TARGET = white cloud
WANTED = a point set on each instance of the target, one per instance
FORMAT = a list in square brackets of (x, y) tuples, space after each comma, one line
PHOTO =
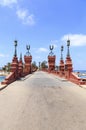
[(2, 55), (54, 43), (8, 3), (37, 57), (22, 14), (42, 49), (26, 18), (75, 39)]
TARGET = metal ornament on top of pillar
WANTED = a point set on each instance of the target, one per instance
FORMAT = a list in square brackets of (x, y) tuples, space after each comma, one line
[(68, 62), (51, 59), (28, 60), (14, 64), (61, 66)]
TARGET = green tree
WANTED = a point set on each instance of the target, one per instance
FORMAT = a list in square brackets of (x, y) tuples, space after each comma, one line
[(34, 66), (4, 68), (8, 66), (44, 64)]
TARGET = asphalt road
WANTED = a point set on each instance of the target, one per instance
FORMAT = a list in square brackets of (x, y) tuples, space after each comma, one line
[(42, 101)]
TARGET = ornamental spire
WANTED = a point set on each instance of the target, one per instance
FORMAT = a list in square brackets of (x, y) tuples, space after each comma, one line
[(15, 44), (68, 45), (61, 52)]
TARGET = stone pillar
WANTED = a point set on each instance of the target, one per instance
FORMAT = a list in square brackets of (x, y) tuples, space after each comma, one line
[(68, 63), (20, 67), (61, 68), (27, 67), (14, 67), (51, 63), (68, 67)]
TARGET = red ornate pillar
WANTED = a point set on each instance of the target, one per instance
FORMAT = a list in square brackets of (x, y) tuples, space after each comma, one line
[(20, 67), (68, 67), (68, 63), (51, 63), (14, 68), (61, 66), (28, 60), (14, 64), (27, 67), (51, 60)]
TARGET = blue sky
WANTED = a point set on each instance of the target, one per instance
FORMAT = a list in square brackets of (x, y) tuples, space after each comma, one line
[(41, 23)]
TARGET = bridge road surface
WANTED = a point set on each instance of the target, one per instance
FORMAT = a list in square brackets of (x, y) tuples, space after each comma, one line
[(42, 101)]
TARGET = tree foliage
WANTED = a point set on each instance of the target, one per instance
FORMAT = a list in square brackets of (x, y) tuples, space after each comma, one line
[(44, 64), (34, 66)]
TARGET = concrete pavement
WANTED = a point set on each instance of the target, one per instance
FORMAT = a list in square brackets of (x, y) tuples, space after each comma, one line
[(42, 101), (22, 79)]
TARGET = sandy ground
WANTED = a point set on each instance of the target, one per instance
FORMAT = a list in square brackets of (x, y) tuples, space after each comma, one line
[(42, 101)]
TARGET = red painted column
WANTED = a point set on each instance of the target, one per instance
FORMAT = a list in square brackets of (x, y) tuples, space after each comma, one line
[(61, 68), (14, 67), (68, 67), (27, 66), (20, 67), (51, 63), (68, 62), (13, 72)]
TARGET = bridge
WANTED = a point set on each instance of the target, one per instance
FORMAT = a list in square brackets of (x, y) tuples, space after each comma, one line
[(42, 101), (46, 99), (20, 69)]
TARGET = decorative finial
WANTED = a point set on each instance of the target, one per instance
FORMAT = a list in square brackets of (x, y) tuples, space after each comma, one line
[(28, 48), (15, 44), (51, 47), (61, 52), (68, 44)]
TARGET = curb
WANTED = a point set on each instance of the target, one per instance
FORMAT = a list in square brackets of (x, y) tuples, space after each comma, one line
[(83, 86), (2, 87)]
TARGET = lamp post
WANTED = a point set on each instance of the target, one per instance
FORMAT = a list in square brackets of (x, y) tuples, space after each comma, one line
[(61, 52), (15, 44), (68, 44)]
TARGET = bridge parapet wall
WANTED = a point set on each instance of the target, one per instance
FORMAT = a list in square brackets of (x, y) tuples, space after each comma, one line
[(74, 78), (9, 79), (17, 70)]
